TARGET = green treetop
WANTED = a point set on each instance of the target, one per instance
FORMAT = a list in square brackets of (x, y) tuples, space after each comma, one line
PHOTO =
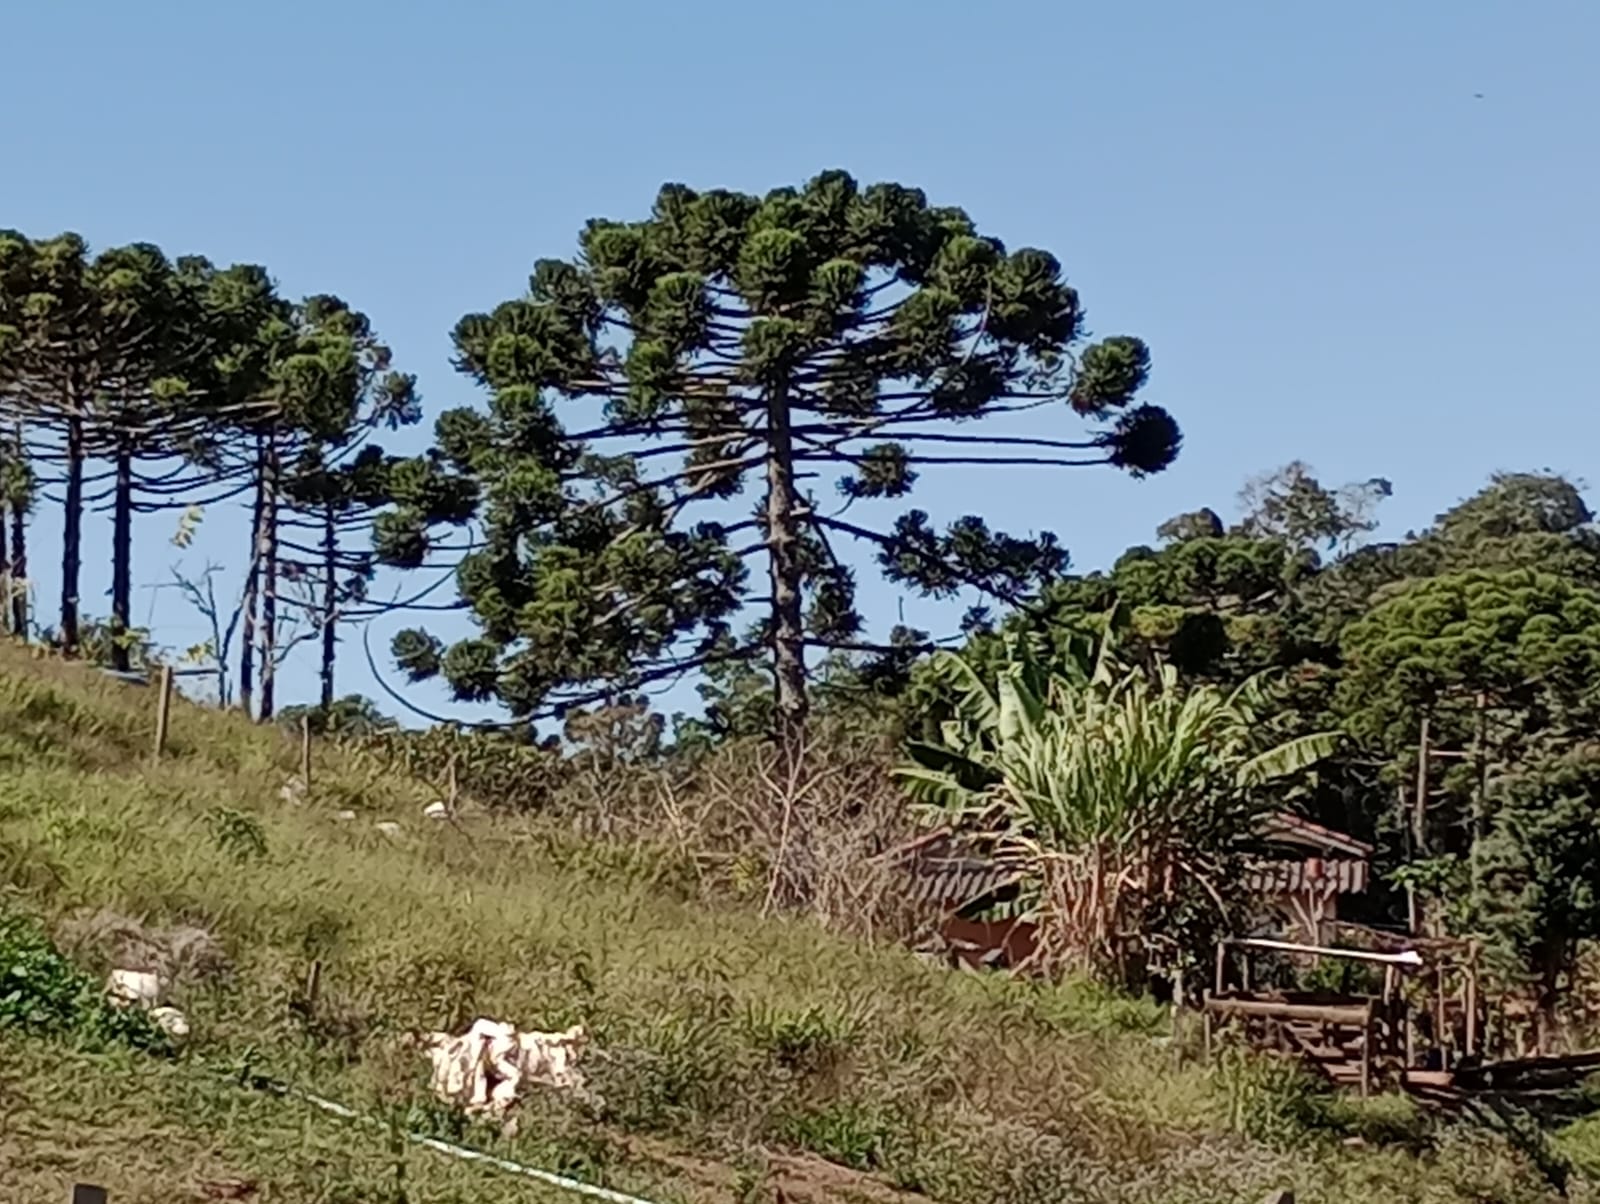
[(829, 332)]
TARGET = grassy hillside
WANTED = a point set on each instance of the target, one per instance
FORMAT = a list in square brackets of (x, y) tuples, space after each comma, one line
[(741, 1055)]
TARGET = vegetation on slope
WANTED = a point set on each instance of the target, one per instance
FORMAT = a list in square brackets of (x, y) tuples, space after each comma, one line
[(739, 1051)]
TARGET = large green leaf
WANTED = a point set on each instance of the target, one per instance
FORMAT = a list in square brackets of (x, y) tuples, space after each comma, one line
[(931, 788), (974, 702), (1020, 708), (1289, 758), (950, 764)]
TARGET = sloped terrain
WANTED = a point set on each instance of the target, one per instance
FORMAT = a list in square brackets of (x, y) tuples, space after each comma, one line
[(737, 1056)]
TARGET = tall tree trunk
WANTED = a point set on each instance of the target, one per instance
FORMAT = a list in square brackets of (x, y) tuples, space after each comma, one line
[(1553, 958), (72, 535), (252, 590), (269, 582), (794, 884), (783, 540), (5, 571), (19, 558), (330, 603), (121, 556), (19, 572)]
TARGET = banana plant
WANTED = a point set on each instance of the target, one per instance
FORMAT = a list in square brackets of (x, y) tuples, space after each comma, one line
[(1108, 788)]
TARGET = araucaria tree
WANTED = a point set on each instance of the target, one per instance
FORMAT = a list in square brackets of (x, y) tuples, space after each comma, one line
[(826, 330)]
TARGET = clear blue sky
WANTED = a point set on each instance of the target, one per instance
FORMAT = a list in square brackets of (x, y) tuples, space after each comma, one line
[(1335, 250)]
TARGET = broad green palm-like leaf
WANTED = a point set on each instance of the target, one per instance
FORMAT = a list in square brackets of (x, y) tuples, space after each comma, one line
[(1020, 708), (1289, 758)]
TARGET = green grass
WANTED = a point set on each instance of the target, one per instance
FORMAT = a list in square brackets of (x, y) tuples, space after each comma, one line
[(739, 1053)]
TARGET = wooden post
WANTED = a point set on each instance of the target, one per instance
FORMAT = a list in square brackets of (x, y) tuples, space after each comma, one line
[(1472, 1001), (1411, 853), (1366, 1057), (1222, 965), (163, 710), (1420, 802), (87, 1193), (305, 754), (313, 984), (451, 786), (1439, 1034)]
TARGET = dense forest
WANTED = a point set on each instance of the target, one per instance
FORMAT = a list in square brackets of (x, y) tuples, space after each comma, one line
[(812, 349)]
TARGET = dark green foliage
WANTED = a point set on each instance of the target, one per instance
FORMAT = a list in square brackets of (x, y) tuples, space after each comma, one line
[(1519, 636), (832, 327), (1537, 871), (353, 715)]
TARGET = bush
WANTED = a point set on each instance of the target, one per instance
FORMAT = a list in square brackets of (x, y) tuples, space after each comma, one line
[(44, 994)]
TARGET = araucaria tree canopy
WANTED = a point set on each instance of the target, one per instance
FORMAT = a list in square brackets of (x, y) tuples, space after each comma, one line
[(831, 332)]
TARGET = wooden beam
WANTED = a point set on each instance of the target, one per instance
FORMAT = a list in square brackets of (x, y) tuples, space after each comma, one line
[(1408, 957), (1322, 1013)]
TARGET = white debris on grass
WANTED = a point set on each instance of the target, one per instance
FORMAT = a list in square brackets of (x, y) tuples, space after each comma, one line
[(134, 987), (171, 1021), (486, 1070), (437, 811), (388, 827), (142, 989)]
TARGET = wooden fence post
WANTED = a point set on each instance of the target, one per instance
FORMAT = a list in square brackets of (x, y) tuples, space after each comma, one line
[(305, 754), (163, 710), (87, 1193)]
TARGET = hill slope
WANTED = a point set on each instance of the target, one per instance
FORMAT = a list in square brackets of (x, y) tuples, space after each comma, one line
[(738, 1055)]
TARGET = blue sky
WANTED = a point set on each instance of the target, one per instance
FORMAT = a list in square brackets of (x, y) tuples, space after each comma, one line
[(1336, 250)]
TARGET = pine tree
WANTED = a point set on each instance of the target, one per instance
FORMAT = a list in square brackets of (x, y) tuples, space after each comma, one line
[(727, 339)]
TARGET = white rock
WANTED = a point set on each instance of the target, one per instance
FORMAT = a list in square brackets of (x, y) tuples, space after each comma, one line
[(344, 817), (388, 827), (171, 1021), (436, 810), (139, 987)]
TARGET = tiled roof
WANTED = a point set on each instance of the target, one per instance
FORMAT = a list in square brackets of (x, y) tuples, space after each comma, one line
[(1335, 877), (1286, 828), (949, 871), (956, 881)]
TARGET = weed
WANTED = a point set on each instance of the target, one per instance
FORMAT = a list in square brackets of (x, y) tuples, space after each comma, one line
[(238, 835)]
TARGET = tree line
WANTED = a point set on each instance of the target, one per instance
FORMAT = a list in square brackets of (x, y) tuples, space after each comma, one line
[(727, 344), (132, 383), (1458, 667)]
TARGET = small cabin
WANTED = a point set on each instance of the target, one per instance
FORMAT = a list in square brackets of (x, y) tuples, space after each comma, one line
[(1304, 870), (1301, 871)]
